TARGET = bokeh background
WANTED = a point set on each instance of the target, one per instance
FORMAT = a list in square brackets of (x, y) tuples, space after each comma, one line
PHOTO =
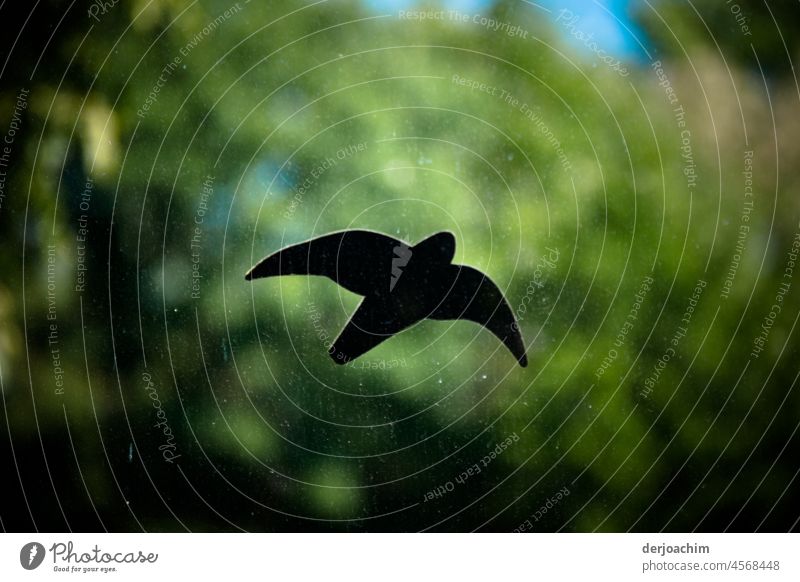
[(625, 171)]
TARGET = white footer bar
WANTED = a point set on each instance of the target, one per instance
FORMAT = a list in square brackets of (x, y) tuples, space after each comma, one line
[(400, 557)]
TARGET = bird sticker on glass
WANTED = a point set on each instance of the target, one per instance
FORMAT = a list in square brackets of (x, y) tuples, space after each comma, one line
[(401, 285)]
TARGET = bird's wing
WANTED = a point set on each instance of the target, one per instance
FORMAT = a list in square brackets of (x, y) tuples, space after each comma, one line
[(358, 260), (374, 321), (475, 297)]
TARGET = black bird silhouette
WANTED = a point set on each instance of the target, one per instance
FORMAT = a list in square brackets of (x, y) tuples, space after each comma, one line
[(401, 285)]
